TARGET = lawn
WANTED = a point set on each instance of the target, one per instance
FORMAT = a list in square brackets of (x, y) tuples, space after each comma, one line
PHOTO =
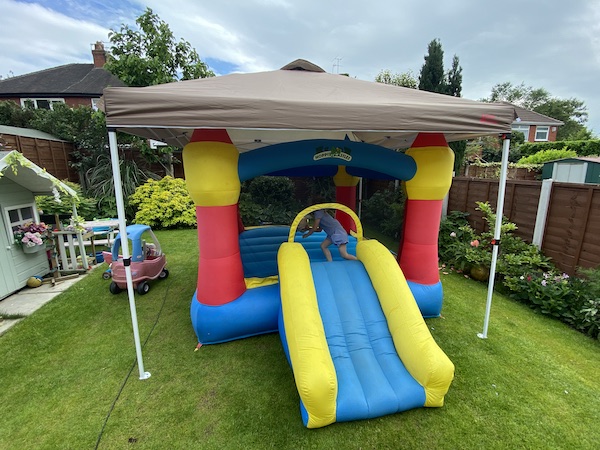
[(532, 384)]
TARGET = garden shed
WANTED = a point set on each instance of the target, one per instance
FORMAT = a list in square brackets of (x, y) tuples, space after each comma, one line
[(20, 181), (573, 170)]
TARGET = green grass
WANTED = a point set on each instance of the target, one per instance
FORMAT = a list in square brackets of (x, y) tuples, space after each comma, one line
[(532, 384)]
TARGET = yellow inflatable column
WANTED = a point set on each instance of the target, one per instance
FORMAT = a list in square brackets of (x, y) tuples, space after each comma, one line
[(211, 174), (345, 193)]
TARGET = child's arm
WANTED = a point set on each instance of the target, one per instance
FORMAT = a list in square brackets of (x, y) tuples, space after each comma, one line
[(314, 228)]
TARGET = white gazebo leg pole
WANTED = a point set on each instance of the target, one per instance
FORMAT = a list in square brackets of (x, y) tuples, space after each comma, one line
[(498, 225), (114, 155)]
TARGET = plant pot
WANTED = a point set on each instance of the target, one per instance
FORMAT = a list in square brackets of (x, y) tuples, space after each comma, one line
[(34, 249), (480, 273)]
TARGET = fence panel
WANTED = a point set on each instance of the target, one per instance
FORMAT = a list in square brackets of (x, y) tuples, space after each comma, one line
[(571, 236), (572, 228), (520, 203), (54, 156)]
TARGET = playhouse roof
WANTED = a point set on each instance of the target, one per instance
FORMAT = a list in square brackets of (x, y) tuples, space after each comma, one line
[(14, 166), (299, 101)]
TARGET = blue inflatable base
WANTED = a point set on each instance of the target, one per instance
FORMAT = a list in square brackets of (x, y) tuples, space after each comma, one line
[(254, 312), (429, 298)]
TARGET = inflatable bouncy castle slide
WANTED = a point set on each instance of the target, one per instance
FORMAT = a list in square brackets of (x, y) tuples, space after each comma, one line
[(353, 331)]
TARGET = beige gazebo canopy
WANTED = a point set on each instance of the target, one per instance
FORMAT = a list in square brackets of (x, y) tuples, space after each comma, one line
[(299, 101)]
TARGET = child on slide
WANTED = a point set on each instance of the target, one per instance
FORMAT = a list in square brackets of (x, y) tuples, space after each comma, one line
[(335, 234)]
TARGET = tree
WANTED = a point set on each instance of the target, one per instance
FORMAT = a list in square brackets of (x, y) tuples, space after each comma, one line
[(405, 79), (572, 112), (150, 55), (454, 79), (432, 77)]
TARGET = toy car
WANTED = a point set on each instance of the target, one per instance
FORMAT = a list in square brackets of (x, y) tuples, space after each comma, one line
[(147, 260)]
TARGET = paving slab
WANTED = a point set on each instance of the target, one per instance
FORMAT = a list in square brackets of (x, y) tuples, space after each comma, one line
[(28, 300)]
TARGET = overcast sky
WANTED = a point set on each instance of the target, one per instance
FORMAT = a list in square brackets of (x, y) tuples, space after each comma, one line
[(551, 44)]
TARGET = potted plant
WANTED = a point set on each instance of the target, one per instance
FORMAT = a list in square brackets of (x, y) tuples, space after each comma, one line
[(480, 259), (31, 236)]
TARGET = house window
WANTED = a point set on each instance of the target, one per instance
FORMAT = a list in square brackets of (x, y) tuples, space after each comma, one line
[(541, 133), (95, 104), (523, 129), (41, 103)]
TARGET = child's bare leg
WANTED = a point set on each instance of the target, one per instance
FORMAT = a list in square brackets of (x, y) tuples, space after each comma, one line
[(345, 254), (326, 243)]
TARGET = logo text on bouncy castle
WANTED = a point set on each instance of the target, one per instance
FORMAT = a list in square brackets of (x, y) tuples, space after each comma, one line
[(323, 152)]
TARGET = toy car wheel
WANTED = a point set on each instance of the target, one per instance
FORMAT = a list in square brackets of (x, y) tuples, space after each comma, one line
[(164, 274), (106, 275), (143, 288), (114, 288)]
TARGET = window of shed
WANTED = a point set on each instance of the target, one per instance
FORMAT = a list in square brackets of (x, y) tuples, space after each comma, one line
[(541, 133)]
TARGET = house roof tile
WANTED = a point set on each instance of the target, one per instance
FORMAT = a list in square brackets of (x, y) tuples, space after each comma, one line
[(69, 80), (528, 117)]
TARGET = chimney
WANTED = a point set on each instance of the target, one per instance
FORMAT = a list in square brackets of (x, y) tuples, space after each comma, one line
[(99, 54)]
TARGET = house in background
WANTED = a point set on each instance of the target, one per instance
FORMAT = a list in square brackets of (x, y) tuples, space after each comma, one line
[(536, 127), (72, 84)]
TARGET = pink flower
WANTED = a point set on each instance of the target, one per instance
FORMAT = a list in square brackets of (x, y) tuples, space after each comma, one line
[(475, 243)]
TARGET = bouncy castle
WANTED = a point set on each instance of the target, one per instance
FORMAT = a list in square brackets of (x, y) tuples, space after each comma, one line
[(353, 331)]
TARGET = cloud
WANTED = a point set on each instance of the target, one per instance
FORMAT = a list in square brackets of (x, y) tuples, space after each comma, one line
[(555, 46), (40, 38)]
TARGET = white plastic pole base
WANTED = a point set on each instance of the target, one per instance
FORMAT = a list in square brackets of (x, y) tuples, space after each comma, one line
[(145, 376), (479, 335)]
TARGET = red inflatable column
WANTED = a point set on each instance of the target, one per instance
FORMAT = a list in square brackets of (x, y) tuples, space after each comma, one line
[(418, 252), (211, 162), (345, 193)]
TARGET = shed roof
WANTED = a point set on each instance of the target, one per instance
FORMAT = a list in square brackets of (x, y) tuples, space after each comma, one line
[(15, 167), (69, 80), (28, 132), (592, 159)]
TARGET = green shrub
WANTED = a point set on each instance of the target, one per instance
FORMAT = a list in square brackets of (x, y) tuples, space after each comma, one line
[(385, 210), (164, 204), (582, 148), (268, 199), (575, 301), (461, 248), (524, 273), (454, 240), (547, 155), (86, 207), (101, 184)]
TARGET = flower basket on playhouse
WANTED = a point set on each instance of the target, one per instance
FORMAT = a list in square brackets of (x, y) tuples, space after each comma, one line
[(31, 237)]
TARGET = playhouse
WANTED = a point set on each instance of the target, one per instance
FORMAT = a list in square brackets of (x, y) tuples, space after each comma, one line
[(353, 331)]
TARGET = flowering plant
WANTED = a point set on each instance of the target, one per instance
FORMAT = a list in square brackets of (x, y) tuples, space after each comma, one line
[(31, 234)]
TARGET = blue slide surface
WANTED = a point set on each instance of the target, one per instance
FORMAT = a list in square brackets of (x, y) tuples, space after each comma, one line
[(372, 381)]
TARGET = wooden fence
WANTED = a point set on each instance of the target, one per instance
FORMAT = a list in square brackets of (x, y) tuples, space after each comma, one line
[(568, 222), (54, 156)]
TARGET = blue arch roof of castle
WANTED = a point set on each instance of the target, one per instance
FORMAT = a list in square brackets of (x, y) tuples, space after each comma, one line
[(320, 157)]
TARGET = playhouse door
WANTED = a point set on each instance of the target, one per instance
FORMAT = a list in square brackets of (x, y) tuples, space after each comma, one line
[(8, 276)]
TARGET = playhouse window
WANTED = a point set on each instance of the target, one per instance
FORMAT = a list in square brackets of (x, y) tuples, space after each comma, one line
[(18, 215)]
